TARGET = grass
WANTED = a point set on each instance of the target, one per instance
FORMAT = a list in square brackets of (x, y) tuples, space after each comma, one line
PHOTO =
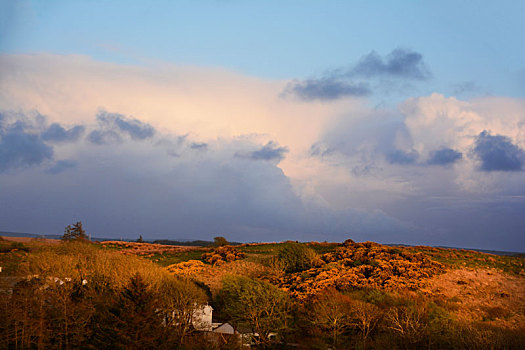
[(460, 258), (274, 248), (175, 258)]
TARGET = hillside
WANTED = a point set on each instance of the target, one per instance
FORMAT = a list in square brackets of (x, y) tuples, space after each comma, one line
[(406, 297)]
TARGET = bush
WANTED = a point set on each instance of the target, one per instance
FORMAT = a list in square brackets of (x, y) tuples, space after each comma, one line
[(222, 255), (297, 257), (220, 241)]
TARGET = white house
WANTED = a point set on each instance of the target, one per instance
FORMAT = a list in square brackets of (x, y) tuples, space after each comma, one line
[(201, 318)]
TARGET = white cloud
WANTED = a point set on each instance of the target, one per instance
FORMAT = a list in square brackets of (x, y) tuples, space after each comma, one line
[(339, 174)]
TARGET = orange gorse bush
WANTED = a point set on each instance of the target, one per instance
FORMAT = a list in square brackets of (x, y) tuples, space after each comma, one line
[(222, 255), (363, 265), (188, 268)]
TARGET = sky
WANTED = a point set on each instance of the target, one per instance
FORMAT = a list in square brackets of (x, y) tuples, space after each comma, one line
[(395, 122)]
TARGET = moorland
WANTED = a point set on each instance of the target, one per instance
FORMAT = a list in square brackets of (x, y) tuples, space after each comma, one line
[(73, 293)]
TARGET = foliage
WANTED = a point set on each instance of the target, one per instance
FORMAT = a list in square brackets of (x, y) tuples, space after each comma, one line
[(75, 294), (220, 241), (363, 265), (259, 305), (74, 232), (298, 257), (339, 315), (222, 255), (130, 320), (79, 295), (188, 268)]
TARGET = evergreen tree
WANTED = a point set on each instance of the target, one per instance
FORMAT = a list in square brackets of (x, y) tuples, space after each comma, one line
[(131, 320), (74, 232)]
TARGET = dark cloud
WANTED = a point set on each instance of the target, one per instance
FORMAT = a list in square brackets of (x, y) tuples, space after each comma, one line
[(401, 157), (498, 153), (134, 128), (270, 151), (61, 166), (199, 146), (196, 197), (444, 156), (113, 125), (400, 63), (101, 137), (19, 148), (326, 89), (57, 133)]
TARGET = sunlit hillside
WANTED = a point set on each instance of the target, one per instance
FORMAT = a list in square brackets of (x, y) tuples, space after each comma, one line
[(287, 295)]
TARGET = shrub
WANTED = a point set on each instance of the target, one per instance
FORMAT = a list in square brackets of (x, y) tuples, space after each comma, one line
[(297, 257), (220, 241), (222, 255)]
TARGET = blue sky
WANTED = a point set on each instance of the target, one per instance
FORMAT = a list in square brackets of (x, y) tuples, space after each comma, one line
[(460, 40), (392, 121)]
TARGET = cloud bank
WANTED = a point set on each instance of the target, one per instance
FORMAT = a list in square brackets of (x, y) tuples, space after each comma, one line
[(178, 152)]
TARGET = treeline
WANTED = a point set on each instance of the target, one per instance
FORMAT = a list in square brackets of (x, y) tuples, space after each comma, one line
[(197, 243), (78, 296)]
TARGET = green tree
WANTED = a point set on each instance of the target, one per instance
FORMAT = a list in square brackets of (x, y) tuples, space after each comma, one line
[(74, 232), (261, 306), (220, 241), (298, 257)]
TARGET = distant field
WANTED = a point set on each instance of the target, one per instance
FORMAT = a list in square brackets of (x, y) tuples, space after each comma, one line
[(31, 240)]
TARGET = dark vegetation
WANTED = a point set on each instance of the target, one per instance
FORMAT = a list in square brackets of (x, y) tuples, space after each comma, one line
[(137, 295), (75, 232), (197, 243)]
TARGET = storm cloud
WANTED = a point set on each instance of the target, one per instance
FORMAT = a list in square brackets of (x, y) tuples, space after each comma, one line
[(20, 148), (498, 153), (270, 151), (112, 126), (334, 180), (444, 156), (235, 188), (326, 89), (400, 63), (57, 133)]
